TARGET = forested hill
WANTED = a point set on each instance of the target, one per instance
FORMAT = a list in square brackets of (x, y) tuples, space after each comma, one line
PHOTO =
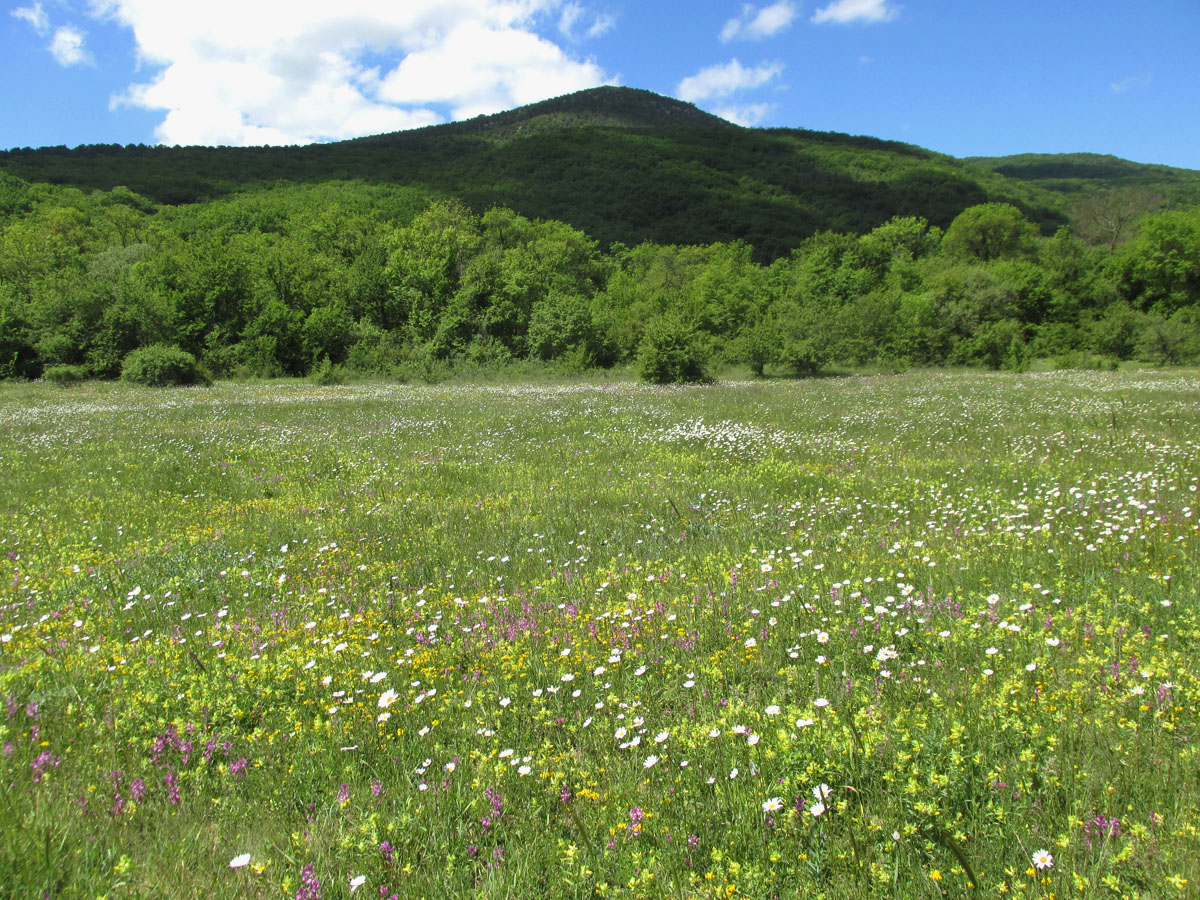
[(608, 227), (1087, 173), (620, 164)]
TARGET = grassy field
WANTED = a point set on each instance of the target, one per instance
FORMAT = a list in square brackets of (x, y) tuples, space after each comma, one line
[(930, 635)]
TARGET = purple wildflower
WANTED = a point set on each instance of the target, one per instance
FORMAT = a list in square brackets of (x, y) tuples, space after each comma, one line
[(310, 885), (45, 760)]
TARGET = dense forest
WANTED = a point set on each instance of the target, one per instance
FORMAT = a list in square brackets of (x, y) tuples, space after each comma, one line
[(356, 278), (681, 247)]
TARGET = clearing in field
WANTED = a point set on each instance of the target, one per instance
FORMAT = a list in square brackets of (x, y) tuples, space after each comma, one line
[(932, 635)]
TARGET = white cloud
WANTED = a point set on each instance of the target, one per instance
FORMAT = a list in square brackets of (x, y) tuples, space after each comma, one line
[(67, 47), (748, 115), (1131, 83), (722, 80), (479, 70), (603, 24), (574, 14), (756, 24), (270, 71), (67, 44), (35, 16), (571, 14), (845, 11)]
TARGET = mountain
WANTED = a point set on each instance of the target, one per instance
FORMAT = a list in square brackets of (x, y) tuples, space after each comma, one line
[(621, 164), (1083, 174), (603, 107)]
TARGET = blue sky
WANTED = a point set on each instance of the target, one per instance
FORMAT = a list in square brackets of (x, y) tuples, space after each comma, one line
[(965, 77)]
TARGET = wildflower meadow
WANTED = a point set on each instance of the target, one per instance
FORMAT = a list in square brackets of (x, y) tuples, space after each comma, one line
[(920, 636)]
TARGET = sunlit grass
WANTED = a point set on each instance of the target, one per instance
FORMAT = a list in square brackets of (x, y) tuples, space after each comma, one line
[(931, 635)]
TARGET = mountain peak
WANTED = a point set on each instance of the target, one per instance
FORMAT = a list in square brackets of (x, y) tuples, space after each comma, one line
[(608, 106)]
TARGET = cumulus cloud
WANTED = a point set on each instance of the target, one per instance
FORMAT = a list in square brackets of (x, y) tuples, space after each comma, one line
[(67, 47), (269, 71), (479, 70), (846, 11), (723, 80), (67, 44), (756, 24), (748, 115)]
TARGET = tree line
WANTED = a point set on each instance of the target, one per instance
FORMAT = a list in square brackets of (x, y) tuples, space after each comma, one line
[(344, 278)]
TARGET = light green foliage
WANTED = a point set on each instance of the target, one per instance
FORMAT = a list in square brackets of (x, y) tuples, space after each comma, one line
[(65, 375), (271, 282), (328, 332), (989, 232), (673, 352), (1163, 262), (562, 324), (802, 334), (159, 365)]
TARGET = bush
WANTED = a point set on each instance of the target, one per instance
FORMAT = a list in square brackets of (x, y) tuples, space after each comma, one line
[(673, 353), (64, 375), (327, 373), (161, 365), (377, 352), (1083, 359)]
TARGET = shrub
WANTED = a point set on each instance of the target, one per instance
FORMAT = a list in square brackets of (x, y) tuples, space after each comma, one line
[(63, 375), (673, 353), (377, 352), (327, 373), (161, 365)]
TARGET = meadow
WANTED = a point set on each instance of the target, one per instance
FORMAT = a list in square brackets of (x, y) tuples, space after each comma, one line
[(920, 636)]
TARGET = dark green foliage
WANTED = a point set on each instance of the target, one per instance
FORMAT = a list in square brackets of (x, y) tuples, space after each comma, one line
[(1170, 341), (161, 365), (672, 352), (995, 345)]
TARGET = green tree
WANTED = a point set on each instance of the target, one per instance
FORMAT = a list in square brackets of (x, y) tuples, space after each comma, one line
[(1116, 331), (802, 332), (673, 352), (1162, 264), (562, 324), (988, 232), (328, 332), (1171, 341), (426, 263)]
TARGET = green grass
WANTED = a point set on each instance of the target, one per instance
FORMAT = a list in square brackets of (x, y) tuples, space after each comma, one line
[(963, 603)]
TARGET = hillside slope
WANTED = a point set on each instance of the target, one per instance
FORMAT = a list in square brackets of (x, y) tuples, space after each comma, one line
[(1082, 174), (622, 164)]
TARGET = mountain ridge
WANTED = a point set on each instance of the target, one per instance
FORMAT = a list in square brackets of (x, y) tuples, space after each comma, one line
[(608, 106), (624, 165)]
